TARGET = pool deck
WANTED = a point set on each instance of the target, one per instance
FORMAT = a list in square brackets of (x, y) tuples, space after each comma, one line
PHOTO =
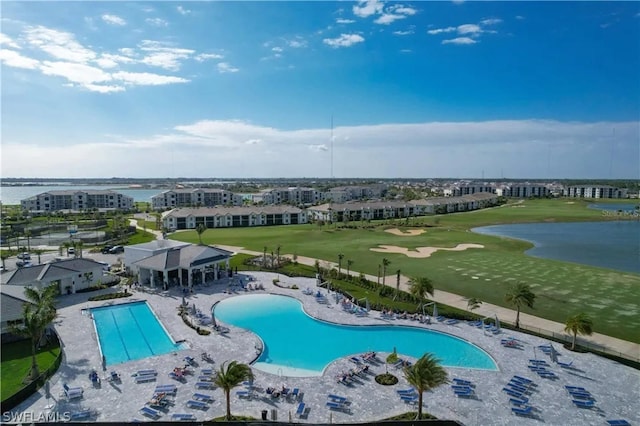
[(615, 386)]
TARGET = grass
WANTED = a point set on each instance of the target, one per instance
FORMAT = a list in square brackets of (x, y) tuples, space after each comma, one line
[(610, 297), (16, 364), (140, 237)]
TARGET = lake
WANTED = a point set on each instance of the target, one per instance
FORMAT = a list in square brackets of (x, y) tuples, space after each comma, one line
[(10, 195), (611, 244)]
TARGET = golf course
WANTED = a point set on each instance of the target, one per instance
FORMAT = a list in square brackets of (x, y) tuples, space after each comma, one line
[(481, 266)]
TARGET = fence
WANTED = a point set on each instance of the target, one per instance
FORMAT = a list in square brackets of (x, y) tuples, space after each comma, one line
[(32, 387)]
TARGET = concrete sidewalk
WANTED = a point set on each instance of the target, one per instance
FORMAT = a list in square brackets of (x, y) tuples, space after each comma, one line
[(618, 347)]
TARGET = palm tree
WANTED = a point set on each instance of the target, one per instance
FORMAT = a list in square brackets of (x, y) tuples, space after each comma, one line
[(520, 295), (27, 234), (278, 254), (4, 255), (420, 287), (349, 263), (424, 375), (385, 263), (200, 230), (231, 375), (38, 252), (473, 303), (36, 317), (264, 257), (340, 257), (78, 247), (578, 324)]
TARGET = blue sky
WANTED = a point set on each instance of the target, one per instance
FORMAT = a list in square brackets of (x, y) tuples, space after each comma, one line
[(248, 89)]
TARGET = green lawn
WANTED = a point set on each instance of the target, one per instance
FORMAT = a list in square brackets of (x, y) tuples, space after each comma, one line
[(16, 363), (610, 297)]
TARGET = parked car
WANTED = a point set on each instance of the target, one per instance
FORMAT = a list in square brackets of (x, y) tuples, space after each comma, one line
[(106, 249), (71, 251), (116, 250), (105, 266), (23, 264), (3, 269), (24, 256)]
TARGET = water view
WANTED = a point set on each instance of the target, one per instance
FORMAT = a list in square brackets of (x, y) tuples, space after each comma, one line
[(612, 244), (11, 195)]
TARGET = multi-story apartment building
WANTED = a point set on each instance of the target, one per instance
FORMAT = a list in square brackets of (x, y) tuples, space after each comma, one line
[(77, 201), (227, 217), (600, 191), (467, 189), (525, 190), (293, 195), (195, 197), (341, 194)]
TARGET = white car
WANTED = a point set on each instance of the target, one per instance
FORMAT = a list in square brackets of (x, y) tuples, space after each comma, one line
[(71, 251)]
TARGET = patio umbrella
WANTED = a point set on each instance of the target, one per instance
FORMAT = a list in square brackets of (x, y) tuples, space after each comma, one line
[(435, 310)]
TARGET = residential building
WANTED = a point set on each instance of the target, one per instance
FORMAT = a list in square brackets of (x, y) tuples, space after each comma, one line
[(69, 275), (599, 191), (468, 188), (526, 190), (296, 195), (341, 194), (183, 265), (12, 298), (74, 200), (195, 197), (227, 217)]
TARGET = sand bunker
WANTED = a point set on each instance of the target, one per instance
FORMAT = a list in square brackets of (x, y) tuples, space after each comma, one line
[(409, 233), (422, 252)]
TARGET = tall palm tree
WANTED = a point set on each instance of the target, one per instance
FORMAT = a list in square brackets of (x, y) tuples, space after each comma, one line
[(578, 324), (278, 254), (38, 252), (340, 257), (264, 257), (385, 263), (200, 230), (37, 314), (349, 263), (473, 303), (420, 287), (27, 234), (424, 375), (231, 375), (520, 295)]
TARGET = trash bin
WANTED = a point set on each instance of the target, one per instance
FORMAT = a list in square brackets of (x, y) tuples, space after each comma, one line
[(264, 414)]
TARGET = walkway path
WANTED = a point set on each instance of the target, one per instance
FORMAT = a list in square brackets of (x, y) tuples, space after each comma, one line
[(605, 343)]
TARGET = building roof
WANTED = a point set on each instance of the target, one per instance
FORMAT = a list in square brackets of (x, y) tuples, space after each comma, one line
[(11, 300), (233, 211), (183, 257), (191, 190), (395, 204), (80, 191), (50, 271), (158, 244)]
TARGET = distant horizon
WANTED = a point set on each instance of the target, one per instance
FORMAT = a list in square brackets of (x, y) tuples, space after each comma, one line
[(529, 90)]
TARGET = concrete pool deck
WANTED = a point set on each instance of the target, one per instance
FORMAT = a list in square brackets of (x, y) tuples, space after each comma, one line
[(615, 386)]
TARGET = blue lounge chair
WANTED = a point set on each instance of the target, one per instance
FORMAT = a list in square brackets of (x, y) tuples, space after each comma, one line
[(467, 394), (150, 412), (451, 321), (243, 394), (166, 388), (463, 382), (204, 385), (523, 379), (526, 411), (196, 404), (338, 406), (582, 395), (80, 415), (512, 392), (565, 364), (519, 401), (409, 399), (583, 404), (202, 397), (206, 372), (183, 417), (355, 360), (145, 373), (406, 391), (567, 387), (300, 410), (618, 422), (145, 378), (337, 398)]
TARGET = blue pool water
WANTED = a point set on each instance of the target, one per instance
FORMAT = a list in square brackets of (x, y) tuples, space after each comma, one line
[(293, 341), (130, 331)]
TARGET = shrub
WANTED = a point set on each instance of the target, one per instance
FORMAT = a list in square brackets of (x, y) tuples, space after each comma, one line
[(185, 318), (392, 358), (109, 296), (294, 287), (386, 379)]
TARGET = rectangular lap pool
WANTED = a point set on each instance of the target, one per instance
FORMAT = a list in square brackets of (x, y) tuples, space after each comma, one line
[(129, 332)]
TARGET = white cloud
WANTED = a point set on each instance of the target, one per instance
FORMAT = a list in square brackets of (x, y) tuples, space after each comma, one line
[(406, 50), (404, 10), (276, 49), (366, 8), (104, 89), (127, 51), (13, 59), (59, 44), (491, 21), (75, 73), (157, 22), (207, 56), (108, 60), (147, 79), (182, 11), (469, 29), (6, 41), (403, 33), (344, 21), (114, 20), (224, 67), (163, 55), (297, 42), (441, 30), (388, 18), (519, 17), (460, 40), (345, 40)]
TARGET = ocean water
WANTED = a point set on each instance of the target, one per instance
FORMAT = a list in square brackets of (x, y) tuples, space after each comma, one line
[(295, 341), (610, 244)]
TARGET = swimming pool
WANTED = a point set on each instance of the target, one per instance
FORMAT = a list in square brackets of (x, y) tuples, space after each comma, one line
[(129, 332), (300, 345)]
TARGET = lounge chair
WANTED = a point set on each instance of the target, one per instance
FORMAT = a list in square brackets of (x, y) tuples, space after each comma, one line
[(202, 397), (183, 417), (73, 394), (463, 382), (565, 364), (523, 379), (512, 392), (583, 403), (196, 404), (300, 410), (145, 373), (204, 385), (338, 407), (337, 398), (465, 394), (206, 372), (150, 412), (145, 378), (80, 415), (451, 321), (243, 394), (618, 422), (567, 387), (409, 399), (526, 411), (406, 391), (519, 401), (166, 388), (355, 360)]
